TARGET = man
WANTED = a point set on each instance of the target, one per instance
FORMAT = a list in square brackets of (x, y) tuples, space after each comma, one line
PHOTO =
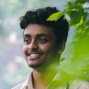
[(44, 41)]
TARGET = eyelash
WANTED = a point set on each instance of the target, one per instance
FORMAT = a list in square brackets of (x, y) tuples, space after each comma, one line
[(43, 40), (27, 40), (40, 40)]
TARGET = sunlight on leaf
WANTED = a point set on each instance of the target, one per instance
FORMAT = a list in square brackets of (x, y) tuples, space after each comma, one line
[(80, 23), (55, 16)]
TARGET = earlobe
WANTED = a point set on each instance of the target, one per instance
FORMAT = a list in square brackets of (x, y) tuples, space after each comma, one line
[(61, 47)]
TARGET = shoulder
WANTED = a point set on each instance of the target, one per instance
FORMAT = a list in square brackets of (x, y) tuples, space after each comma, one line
[(84, 85), (18, 86), (26, 83), (79, 84)]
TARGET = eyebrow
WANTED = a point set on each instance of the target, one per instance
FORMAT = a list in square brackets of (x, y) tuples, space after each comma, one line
[(38, 35), (26, 35)]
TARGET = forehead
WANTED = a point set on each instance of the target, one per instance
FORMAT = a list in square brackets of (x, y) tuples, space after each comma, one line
[(34, 29)]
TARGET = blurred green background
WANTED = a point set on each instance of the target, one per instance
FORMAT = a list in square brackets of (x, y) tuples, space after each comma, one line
[(75, 58)]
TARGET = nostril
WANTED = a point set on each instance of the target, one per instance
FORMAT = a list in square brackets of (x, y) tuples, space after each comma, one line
[(33, 49)]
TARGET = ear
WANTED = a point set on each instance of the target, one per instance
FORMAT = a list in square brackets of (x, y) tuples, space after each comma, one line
[(61, 47)]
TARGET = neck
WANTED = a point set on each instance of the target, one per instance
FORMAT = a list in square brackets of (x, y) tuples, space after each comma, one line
[(43, 76)]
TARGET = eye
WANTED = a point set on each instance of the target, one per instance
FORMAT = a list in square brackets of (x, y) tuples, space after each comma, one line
[(27, 40), (43, 40)]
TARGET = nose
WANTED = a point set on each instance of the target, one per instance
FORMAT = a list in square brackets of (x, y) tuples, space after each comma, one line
[(33, 45)]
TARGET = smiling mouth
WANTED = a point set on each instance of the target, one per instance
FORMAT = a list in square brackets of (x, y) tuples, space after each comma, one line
[(33, 56)]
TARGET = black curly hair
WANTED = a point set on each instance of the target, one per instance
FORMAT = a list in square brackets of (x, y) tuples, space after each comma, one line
[(40, 16)]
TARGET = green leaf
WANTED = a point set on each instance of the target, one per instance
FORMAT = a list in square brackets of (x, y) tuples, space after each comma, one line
[(81, 22), (55, 16)]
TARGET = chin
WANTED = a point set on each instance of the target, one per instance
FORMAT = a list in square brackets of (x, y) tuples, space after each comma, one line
[(35, 65)]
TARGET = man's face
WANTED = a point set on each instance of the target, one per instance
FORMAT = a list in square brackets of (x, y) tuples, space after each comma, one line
[(39, 45)]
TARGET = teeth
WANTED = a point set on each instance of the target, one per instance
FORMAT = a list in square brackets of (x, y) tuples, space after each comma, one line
[(32, 55)]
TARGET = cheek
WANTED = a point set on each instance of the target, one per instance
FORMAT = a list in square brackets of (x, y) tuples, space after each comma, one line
[(48, 48), (25, 49)]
